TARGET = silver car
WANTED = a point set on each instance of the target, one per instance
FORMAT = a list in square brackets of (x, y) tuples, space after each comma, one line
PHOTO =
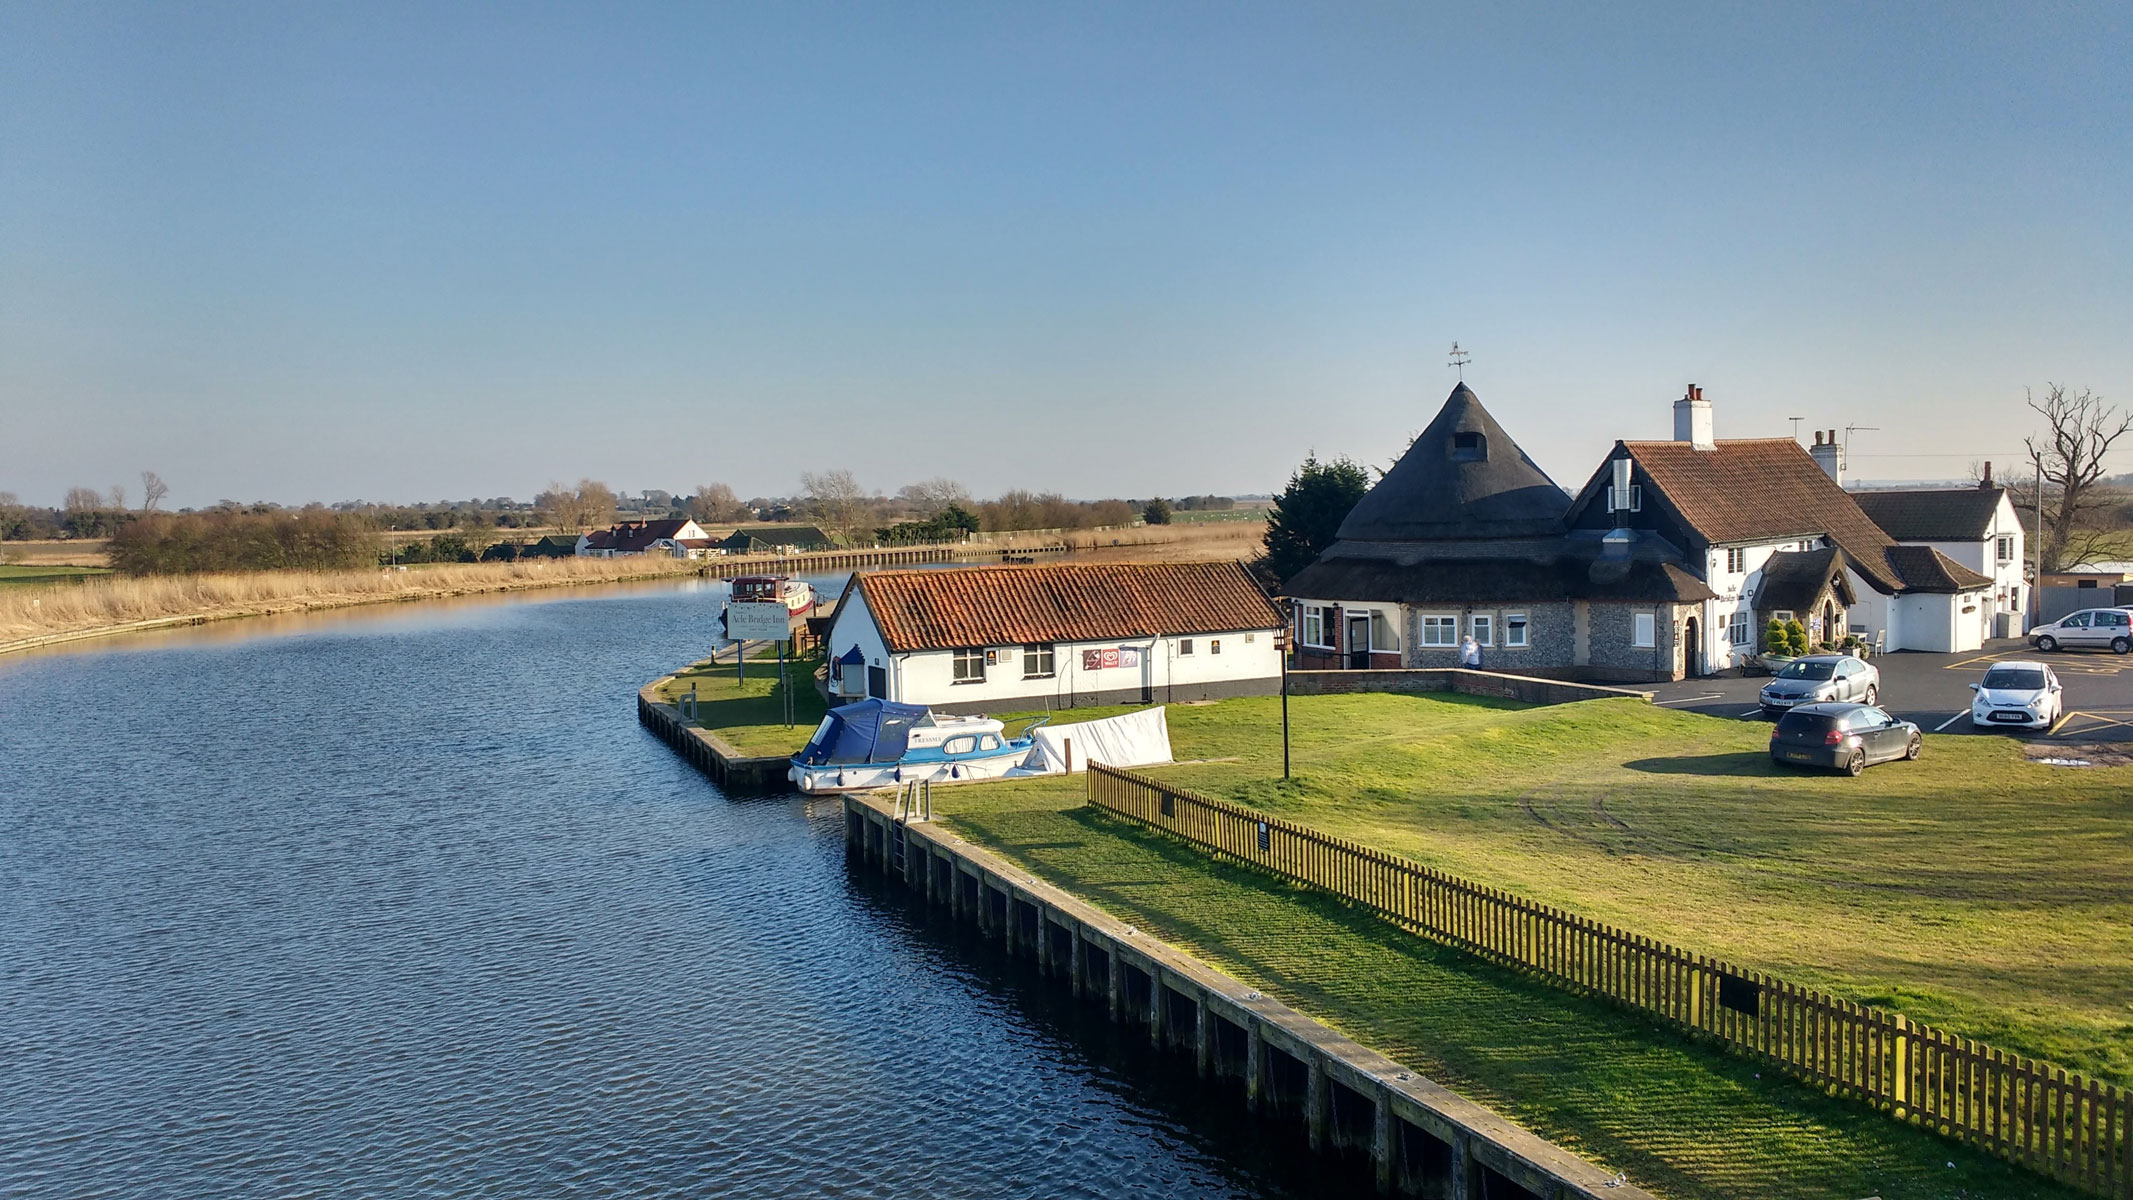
[(2091, 628), (1821, 679)]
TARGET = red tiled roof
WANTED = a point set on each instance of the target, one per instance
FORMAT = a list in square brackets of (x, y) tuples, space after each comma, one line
[(1066, 602), (1765, 489), (633, 536)]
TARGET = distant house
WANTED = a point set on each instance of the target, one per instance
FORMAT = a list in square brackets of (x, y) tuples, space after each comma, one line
[(1668, 562), (678, 536), (555, 545), (775, 539), (1977, 527), (1058, 636)]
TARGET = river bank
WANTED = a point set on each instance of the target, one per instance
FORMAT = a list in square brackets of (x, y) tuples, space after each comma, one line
[(33, 616)]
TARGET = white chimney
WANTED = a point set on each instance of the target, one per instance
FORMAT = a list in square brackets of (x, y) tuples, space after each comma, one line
[(1829, 456), (1692, 420)]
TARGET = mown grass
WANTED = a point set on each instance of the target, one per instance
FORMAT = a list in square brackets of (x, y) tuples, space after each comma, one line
[(1681, 1118), (1973, 889), (25, 573), (750, 715)]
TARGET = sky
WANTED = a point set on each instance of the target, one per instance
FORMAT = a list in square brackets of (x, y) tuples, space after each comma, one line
[(422, 251)]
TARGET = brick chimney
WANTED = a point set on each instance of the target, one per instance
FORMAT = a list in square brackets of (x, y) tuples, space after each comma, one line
[(1692, 420), (1985, 484), (1829, 456)]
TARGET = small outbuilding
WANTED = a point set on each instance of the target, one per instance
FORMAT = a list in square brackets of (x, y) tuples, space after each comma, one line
[(1065, 635)]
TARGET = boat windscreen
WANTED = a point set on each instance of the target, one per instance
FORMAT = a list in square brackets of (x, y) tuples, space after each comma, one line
[(869, 731)]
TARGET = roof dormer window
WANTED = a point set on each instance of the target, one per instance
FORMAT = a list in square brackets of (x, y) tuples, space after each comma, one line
[(1469, 447)]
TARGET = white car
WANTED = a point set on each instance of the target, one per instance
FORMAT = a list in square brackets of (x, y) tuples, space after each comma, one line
[(2023, 695), (2101, 628)]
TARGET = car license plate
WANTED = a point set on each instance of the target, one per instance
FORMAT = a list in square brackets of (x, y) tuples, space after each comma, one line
[(1796, 756), (2008, 716)]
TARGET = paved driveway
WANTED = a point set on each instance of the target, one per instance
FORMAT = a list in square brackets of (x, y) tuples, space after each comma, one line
[(1933, 690)]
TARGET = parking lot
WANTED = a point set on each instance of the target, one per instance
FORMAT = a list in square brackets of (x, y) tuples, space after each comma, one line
[(1933, 691)]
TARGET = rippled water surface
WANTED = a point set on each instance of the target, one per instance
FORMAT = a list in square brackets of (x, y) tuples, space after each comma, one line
[(406, 903)]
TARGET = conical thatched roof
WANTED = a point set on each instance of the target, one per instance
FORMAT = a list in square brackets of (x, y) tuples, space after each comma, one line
[(1463, 478)]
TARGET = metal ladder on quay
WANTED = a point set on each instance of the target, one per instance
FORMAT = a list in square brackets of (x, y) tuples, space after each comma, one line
[(914, 802)]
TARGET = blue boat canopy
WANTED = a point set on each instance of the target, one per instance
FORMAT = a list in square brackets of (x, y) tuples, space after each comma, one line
[(851, 657), (870, 731)]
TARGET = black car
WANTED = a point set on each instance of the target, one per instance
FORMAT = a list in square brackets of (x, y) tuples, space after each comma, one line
[(1842, 737)]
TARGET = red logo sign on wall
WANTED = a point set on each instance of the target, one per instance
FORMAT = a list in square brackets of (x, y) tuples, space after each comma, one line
[(1123, 656)]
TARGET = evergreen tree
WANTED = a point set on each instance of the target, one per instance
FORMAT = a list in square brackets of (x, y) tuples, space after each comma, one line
[(1157, 512), (1307, 516)]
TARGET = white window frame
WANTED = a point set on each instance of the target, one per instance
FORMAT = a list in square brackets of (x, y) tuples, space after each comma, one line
[(1515, 631), (1384, 632), (1040, 661), (1782, 616), (963, 662), (2003, 550), (1643, 631), (1446, 622), (1739, 631), (1737, 561), (1313, 615), (1636, 498), (1483, 628)]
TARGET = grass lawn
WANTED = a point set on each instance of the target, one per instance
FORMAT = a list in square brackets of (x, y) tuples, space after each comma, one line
[(45, 573), (1972, 889), (751, 715)]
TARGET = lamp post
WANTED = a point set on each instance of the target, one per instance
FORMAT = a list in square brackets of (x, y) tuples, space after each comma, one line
[(1282, 643)]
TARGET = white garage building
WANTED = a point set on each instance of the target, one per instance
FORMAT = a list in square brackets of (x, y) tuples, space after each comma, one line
[(979, 639)]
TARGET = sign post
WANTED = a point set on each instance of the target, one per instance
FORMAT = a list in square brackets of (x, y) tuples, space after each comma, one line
[(1281, 643), (756, 621)]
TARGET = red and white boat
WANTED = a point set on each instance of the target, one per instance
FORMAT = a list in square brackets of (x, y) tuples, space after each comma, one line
[(797, 594)]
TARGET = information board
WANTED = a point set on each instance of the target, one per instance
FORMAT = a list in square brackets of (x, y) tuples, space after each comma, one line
[(758, 620)]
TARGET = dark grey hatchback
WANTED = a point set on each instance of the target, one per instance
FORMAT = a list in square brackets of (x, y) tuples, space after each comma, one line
[(1842, 737)]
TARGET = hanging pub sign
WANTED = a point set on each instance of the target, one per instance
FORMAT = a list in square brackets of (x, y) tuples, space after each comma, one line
[(1123, 656)]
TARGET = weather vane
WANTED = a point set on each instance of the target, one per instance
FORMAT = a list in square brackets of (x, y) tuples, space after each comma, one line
[(1459, 359)]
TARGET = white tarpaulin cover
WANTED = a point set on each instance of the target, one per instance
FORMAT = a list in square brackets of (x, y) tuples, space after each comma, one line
[(1136, 739)]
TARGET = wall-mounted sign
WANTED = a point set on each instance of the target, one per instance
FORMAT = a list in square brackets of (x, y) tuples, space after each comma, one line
[(1123, 656), (758, 620)]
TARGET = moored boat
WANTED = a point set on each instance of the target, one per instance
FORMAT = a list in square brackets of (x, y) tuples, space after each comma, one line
[(878, 743), (797, 595)]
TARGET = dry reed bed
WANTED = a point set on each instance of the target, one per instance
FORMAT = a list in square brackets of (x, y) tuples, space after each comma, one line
[(28, 614)]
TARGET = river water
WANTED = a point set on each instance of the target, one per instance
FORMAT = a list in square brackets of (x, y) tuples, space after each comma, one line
[(404, 902)]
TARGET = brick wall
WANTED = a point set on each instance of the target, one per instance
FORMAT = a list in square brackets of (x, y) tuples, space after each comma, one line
[(1526, 688)]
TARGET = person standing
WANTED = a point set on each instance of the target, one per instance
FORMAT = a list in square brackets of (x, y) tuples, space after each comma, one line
[(1470, 653)]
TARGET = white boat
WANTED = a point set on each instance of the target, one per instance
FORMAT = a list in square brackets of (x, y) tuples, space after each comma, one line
[(877, 743)]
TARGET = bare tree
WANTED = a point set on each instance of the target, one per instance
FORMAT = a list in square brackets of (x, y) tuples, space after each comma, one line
[(835, 499), (84, 500), (2068, 461), (118, 497), (575, 510), (153, 489), (715, 502), (929, 496)]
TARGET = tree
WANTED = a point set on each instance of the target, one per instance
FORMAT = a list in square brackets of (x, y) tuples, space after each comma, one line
[(2067, 462), (715, 502), (929, 497), (1306, 517), (1157, 512), (153, 489), (575, 510), (835, 500)]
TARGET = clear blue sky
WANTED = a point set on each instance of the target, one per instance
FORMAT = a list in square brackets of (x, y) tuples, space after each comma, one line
[(298, 251)]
